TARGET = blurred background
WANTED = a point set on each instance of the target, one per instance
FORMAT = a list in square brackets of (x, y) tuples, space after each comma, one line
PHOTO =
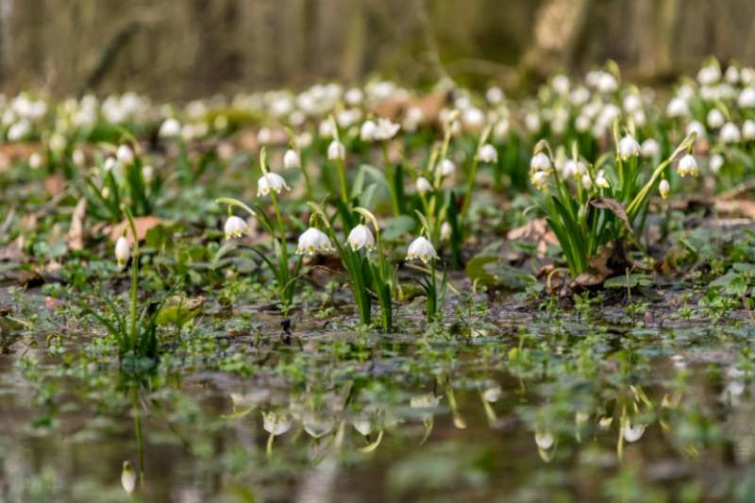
[(180, 49)]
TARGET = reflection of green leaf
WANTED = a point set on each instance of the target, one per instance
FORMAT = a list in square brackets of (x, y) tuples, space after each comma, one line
[(238, 414), (630, 281), (179, 310), (732, 283), (490, 272)]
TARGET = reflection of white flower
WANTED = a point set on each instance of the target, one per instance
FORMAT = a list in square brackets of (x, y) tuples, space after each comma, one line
[(316, 427), (544, 440), (362, 425), (128, 478), (492, 395), (632, 432), (275, 423), (426, 401)]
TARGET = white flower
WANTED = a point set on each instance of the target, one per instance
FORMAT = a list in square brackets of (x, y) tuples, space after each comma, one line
[(582, 123), (628, 147), (275, 424), (78, 158), (474, 119), (748, 130), (715, 163), (336, 151), (314, 241), (747, 98), (36, 160), (147, 173), (586, 181), (544, 440), (664, 188), (122, 251), (413, 118), (235, 227), (125, 155), (264, 135), (632, 432), (540, 162), (601, 181), (650, 148), (687, 166), (423, 185), (532, 122), (368, 131), (732, 75), (573, 168), (607, 83), (353, 96), (632, 103), (488, 154), (326, 129), (677, 107), (447, 167), (709, 75), (561, 84), (271, 182), (501, 129), (128, 478), (291, 159), (494, 95), (696, 127), (715, 118), (421, 249), (386, 129), (170, 128), (445, 231), (361, 237), (540, 179), (730, 133)]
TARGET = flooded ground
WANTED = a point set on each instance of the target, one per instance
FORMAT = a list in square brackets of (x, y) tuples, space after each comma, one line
[(543, 407)]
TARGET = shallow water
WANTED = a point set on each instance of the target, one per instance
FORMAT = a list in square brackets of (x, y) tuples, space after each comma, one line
[(558, 410)]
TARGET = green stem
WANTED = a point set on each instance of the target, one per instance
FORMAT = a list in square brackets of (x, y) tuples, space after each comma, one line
[(390, 173)]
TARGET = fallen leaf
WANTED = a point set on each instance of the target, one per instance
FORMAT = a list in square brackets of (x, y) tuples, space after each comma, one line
[(55, 184), (76, 231), (614, 207), (142, 225), (535, 231), (745, 209)]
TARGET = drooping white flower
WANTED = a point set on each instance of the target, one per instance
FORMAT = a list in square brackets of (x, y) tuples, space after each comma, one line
[(291, 159), (361, 237), (125, 155), (445, 231), (607, 83), (650, 148), (368, 131), (601, 180), (628, 147), (677, 107), (353, 97), (423, 185), (586, 181), (447, 167), (474, 119), (715, 118), (271, 182), (386, 129), (709, 75), (235, 227), (697, 128), (492, 395), (748, 130), (632, 103), (747, 98), (687, 166), (664, 188), (421, 249), (561, 84), (413, 118), (540, 162), (730, 133), (336, 151), (314, 241), (128, 478), (488, 154), (36, 160), (494, 95), (170, 128), (732, 75), (540, 179), (715, 163), (122, 251), (573, 168), (78, 158), (532, 122)]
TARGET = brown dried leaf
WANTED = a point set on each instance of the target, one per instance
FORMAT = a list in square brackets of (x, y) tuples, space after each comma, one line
[(55, 184), (614, 207), (142, 225), (742, 208), (534, 231)]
